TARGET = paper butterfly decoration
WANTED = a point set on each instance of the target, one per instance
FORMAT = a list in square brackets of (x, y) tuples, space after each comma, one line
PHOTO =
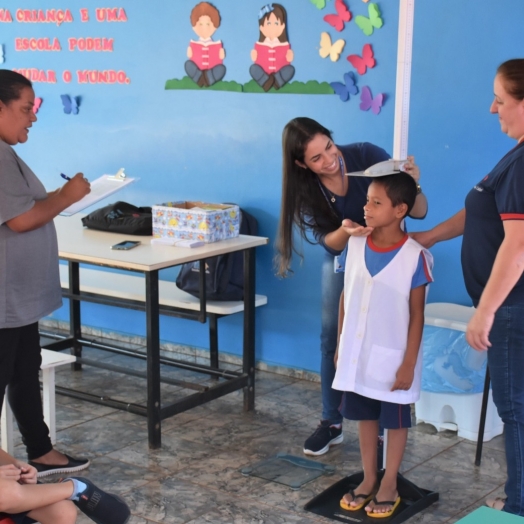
[(349, 87), (333, 50), (71, 104), (368, 102), (319, 4), (361, 63), (2, 54), (373, 22), (36, 105), (343, 15)]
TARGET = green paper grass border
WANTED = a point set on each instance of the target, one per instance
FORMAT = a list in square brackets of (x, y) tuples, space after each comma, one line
[(312, 87), (187, 83)]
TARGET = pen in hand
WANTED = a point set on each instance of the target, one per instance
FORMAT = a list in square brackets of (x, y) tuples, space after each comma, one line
[(65, 177)]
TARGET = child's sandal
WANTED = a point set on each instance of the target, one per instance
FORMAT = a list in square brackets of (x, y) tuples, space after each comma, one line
[(347, 506)]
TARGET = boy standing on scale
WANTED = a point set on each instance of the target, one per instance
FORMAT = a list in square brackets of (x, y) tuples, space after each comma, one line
[(381, 319)]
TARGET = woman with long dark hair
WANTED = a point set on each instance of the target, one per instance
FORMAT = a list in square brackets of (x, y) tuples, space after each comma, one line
[(316, 197)]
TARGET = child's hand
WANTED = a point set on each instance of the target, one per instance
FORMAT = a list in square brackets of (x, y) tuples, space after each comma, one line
[(354, 229), (335, 359), (28, 473), (405, 376), (10, 472)]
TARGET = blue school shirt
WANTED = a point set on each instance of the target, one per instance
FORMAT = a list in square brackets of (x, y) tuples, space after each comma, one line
[(378, 258)]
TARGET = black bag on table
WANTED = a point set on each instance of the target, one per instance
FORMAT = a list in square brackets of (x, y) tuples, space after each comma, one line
[(224, 273), (121, 217)]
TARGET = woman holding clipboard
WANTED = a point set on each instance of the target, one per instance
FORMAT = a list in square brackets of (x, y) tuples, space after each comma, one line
[(29, 279)]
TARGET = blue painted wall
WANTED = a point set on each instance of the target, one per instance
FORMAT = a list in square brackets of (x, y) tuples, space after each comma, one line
[(220, 146)]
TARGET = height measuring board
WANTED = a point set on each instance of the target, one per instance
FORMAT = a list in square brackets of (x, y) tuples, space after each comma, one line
[(402, 95), (402, 90)]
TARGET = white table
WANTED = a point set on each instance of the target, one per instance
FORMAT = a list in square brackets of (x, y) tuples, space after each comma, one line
[(80, 245)]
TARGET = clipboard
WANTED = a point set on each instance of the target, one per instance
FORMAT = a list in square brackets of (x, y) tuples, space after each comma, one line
[(388, 167), (101, 188)]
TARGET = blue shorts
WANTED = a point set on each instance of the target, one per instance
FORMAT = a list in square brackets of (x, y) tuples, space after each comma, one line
[(389, 415)]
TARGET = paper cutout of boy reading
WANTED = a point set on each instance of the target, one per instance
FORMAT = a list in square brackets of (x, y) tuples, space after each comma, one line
[(205, 55), (272, 54)]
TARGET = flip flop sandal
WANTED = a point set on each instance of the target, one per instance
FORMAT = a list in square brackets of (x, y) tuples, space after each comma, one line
[(393, 503), (348, 507), (496, 503)]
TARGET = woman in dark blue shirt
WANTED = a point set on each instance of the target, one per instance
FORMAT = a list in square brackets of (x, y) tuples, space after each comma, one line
[(493, 262), (316, 196)]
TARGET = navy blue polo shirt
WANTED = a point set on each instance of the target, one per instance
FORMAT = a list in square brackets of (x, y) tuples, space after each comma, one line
[(497, 197), (357, 157)]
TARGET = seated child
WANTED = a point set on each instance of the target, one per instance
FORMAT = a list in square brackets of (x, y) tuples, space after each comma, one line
[(205, 65), (24, 501), (380, 330)]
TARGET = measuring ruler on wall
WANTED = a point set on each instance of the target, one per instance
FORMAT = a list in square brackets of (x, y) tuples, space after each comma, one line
[(402, 90), (402, 96)]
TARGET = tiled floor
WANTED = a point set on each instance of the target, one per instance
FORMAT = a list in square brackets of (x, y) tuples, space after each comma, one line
[(194, 478)]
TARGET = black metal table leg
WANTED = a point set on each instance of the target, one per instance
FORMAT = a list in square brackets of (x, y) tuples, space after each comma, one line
[(213, 340), (249, 328), (75, 324), (482, 423), (153, 360)]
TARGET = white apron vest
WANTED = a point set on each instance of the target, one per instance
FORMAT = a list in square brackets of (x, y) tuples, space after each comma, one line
[(376, 320)]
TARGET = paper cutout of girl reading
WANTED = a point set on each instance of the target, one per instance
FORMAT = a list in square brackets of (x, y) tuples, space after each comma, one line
[(272, 53), (205, 55)]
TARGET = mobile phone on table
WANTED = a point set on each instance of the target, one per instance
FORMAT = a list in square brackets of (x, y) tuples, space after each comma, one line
[(126, 245)]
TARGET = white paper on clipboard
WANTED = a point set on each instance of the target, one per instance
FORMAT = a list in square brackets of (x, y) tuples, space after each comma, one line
[(101, 188)]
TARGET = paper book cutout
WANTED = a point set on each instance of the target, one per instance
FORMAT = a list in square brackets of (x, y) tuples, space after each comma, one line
[(272, 54), (349, 87), (71, 104), (368, 102), (361, 63), (272, 58), (343, 15), (373, 22), (333, 50), (37, 104), (206, 56)]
